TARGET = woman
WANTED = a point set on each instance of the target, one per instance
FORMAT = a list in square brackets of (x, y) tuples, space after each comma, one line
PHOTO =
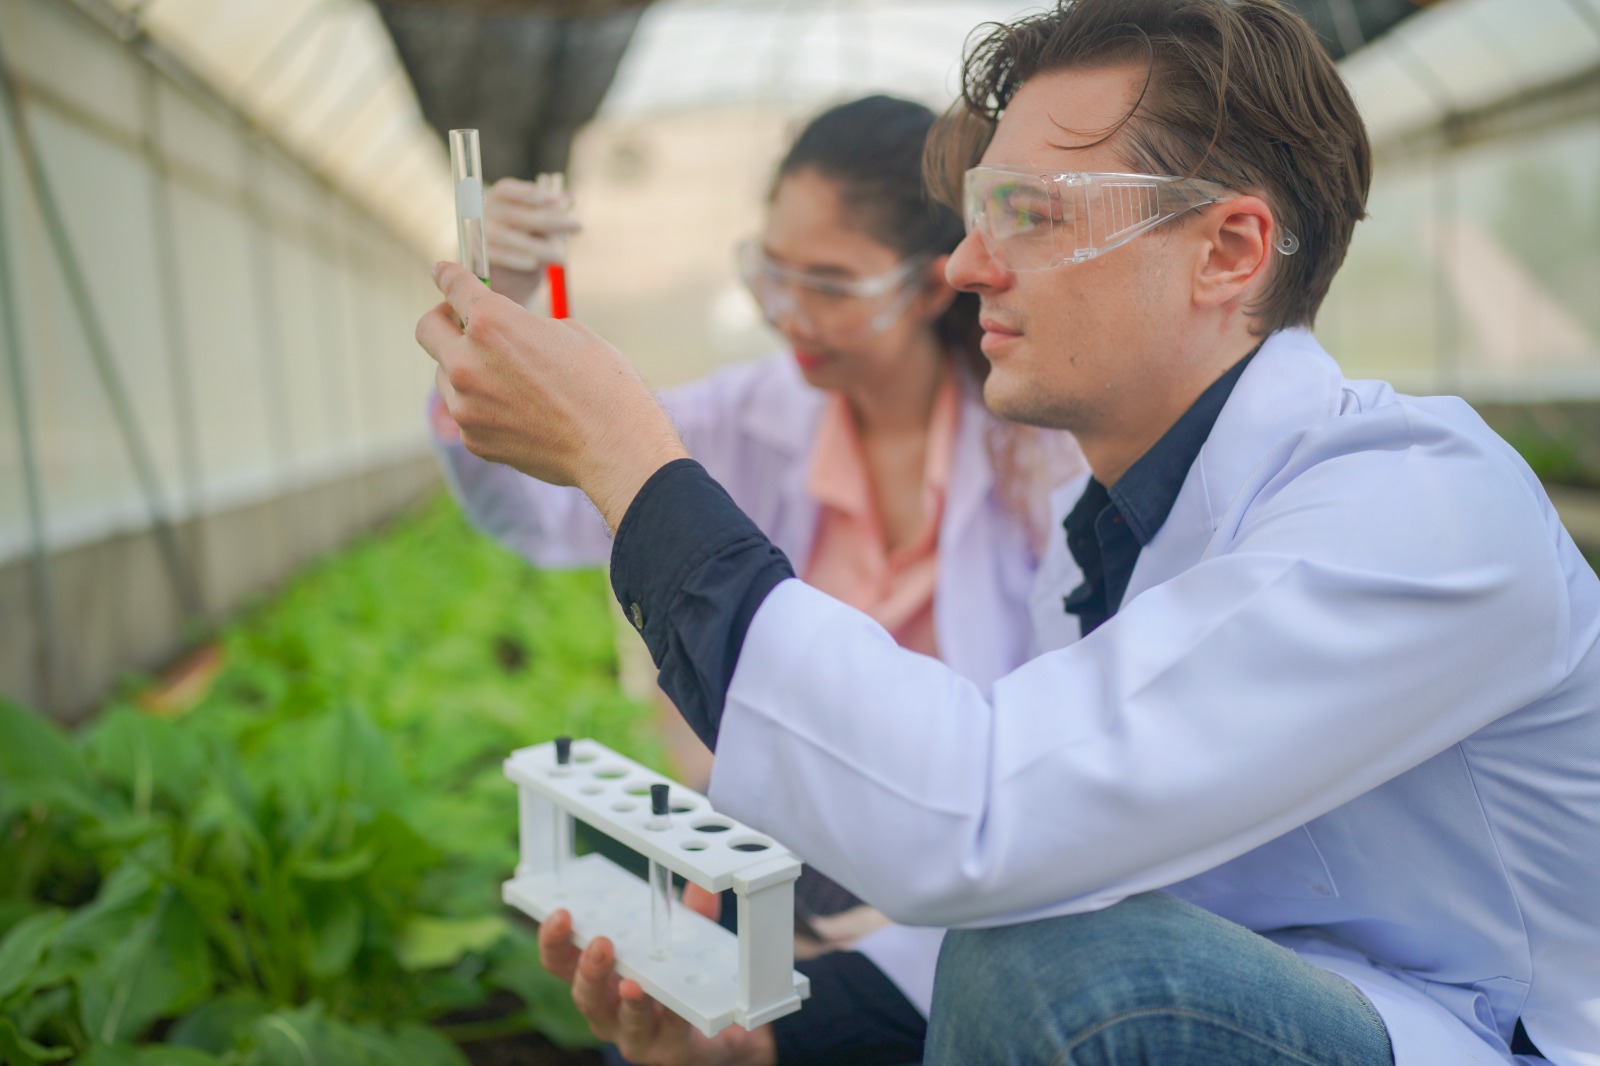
[(865, 453)]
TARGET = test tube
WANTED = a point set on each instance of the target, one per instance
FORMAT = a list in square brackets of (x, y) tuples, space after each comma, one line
[(467, 167), (555, 274), (561, 837), (660, 879)]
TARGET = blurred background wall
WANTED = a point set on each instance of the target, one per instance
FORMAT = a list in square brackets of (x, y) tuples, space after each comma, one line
[(216, 218)]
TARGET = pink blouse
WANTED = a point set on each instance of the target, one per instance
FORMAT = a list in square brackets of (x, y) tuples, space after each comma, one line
[(849, 559)]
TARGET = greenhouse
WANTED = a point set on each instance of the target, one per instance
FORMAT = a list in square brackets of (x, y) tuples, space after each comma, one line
[(268, 635)]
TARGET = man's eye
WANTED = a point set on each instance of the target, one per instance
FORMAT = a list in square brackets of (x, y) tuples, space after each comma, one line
[(1023, 211)]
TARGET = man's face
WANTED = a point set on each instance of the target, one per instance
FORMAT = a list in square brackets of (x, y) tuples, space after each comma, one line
[(1086, 346)]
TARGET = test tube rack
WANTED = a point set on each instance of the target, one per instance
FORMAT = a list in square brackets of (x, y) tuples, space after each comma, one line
[(707, 975)]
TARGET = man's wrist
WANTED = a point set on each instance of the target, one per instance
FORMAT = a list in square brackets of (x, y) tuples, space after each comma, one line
[(612, 490)]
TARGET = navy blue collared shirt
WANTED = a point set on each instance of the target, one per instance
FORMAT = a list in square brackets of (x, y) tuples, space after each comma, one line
[(1109, 526)]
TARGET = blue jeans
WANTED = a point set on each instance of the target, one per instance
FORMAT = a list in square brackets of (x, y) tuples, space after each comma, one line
[(1149, 980)]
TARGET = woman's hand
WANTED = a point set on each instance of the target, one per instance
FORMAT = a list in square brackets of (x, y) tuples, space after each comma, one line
[(526, 224), (620, 1013)]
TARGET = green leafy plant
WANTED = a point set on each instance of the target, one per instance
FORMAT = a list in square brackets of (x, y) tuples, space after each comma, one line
[(305, 866)]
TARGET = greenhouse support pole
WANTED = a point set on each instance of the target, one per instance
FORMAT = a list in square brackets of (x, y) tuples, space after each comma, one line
[(99, 347), (181, 367), (52, 660), (274, 376)]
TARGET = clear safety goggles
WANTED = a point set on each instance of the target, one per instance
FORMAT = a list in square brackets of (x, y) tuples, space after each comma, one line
[(1032, 221), (827, 306)]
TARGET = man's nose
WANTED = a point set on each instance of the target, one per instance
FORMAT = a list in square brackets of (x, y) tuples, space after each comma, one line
[(972, 268)]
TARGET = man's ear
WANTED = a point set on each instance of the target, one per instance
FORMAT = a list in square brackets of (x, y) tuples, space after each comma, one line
[(1238, 236)]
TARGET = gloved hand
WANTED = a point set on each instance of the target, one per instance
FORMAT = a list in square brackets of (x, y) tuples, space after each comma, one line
[(526, 223)]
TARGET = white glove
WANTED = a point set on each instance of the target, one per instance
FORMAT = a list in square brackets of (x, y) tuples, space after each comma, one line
[(526, 224)]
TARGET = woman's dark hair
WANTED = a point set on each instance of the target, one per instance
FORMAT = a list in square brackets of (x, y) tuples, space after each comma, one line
[(872, 149)]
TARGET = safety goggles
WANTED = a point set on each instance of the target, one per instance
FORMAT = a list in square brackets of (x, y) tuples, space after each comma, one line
[(1033, 221), (827, 306)]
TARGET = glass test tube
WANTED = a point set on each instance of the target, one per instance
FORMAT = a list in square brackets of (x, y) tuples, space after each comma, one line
[(467, 168), (660, 880), (556, 273)]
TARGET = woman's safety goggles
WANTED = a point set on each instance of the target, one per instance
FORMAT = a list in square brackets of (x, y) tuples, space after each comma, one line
[(1032, 221), (828, 306)]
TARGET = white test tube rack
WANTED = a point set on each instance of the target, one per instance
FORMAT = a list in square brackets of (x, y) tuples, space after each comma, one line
[(707, 976)]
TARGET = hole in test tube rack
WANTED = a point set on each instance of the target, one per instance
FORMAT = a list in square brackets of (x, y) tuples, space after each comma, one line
[(610, 773), (592, 790), (623, 806), (694, 845), (713, 827), (640, 789), (681, 808), (749, 844), (584, 756)]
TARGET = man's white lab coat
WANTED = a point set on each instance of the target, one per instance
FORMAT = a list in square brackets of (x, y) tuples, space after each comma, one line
[(1351, 701), (752, 426)]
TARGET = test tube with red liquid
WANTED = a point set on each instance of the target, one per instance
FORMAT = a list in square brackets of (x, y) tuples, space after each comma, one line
[(555, 274)]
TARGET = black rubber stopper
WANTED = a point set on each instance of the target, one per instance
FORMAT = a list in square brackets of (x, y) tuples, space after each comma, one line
[(563, 750), (658, 799)]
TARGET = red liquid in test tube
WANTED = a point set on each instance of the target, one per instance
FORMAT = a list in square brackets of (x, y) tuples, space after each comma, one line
[(555, 276)]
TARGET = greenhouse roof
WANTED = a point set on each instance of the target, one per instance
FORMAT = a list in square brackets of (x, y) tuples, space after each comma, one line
[(324, 76)]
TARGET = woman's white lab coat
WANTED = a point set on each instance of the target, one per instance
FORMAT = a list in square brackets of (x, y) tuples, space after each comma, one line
[(752, 427), (1351, 701)]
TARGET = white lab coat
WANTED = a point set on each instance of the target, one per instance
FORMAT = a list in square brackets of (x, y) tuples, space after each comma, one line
[(1351, 701), (752, 427)]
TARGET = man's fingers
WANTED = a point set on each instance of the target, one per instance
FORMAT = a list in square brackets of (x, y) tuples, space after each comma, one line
[(462, 289), (557, 952), (437, 329), (639, 1021), (594, 989), (697, 899)]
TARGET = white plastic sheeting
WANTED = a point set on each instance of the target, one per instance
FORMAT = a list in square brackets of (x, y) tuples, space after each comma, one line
[(1468, 54), (698, 54), (321, 75), (1477, 270)]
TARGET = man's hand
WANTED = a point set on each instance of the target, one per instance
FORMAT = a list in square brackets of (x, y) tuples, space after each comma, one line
[(547, 397), (619, 1011), (526, 224)]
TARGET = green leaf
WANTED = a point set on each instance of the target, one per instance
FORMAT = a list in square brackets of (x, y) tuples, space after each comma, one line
[(422, 1045), (335, 920), (147, 756), (338, 868), (24, 948), (217, 1025), (16, 1050), (432, 942), (161, 969), (148, 1055), (126, 898), (39, 764)]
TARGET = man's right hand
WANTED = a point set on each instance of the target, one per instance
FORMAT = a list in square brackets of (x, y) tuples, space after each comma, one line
[(620, 1013), (526, 224)]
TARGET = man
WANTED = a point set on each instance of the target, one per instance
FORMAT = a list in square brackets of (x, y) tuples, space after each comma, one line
[(1305, 769)]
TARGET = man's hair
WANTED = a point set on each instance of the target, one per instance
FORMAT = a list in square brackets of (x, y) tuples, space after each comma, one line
[(1239, 92)]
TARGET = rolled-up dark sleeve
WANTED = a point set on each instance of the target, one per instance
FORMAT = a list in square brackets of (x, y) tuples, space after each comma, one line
[(690, 570)]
